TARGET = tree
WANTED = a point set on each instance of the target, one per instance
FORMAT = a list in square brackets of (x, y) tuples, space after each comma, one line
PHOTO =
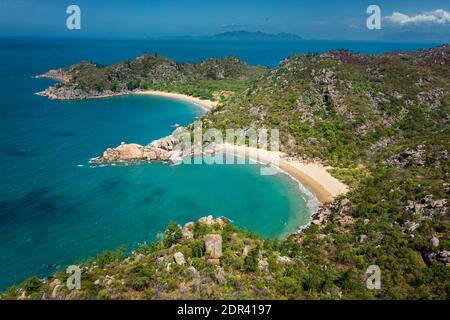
[(172, 234), (251, 260), (32, 284), (198, 249)]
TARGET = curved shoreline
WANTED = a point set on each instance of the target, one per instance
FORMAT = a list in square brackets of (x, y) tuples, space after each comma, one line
[(312, 176), (207, 105)]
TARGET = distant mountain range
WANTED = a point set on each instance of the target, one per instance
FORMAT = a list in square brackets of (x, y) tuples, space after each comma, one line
[(258, 36), (255, 36), (414, 36), (240, 36)]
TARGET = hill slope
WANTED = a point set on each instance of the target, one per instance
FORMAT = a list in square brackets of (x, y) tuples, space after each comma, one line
[(206, 79)]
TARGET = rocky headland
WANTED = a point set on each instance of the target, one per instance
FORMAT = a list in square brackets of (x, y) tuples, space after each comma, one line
[(210, 79), (159, 151)]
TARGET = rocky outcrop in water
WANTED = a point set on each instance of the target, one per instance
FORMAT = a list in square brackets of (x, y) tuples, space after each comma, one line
[(163, 150), (167, 149), (134, 152)]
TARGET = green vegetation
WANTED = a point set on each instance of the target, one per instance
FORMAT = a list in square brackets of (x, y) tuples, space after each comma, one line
[(209, 79), (381, 121), (325, 264), (251, 260), (148, 276), (172, 235)]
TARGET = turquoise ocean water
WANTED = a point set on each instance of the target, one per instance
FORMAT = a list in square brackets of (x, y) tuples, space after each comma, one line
[(55, 209)]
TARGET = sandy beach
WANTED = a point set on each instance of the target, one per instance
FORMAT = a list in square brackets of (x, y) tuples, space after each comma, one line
[(313, 176), (206, 104)]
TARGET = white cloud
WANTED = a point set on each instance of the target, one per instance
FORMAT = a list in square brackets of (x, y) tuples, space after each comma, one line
[(436, 17)]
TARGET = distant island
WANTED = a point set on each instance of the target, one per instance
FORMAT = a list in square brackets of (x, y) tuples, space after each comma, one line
[(238, 36), (254, 36), (259, 36)]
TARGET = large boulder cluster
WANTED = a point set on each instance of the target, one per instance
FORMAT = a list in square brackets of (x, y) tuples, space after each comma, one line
[(133, 152), (408, 157), (159, 150)]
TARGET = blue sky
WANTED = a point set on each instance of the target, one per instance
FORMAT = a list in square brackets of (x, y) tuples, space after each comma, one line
[(326, 19)]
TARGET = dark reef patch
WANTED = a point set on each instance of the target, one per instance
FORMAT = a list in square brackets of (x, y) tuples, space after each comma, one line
[(153, 195), (20, 153)]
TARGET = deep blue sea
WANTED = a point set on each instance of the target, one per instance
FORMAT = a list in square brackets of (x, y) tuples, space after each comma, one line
[(55, 209)]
